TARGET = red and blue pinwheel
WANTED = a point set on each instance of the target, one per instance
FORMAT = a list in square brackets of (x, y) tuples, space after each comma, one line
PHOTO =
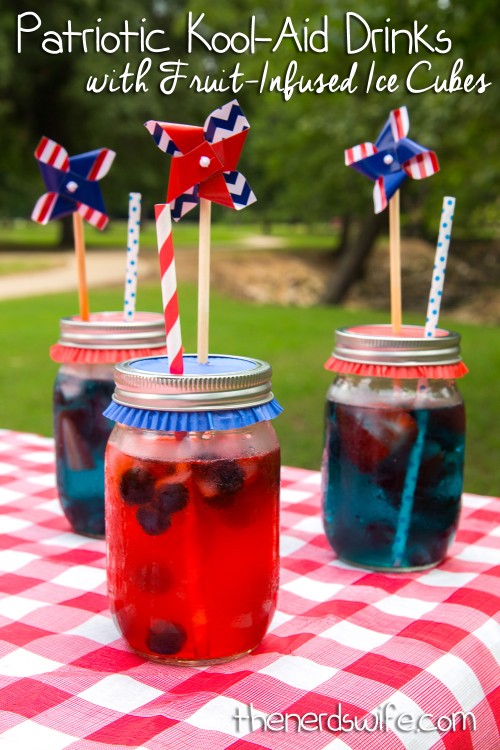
[(205, 159), (392, 159), (71, 183)]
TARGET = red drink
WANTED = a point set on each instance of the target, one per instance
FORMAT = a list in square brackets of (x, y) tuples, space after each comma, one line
[(192, 530)]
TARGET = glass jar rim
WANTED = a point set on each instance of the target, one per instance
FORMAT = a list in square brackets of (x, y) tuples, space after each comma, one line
[(225, 382), (377, 345), (110, 330)]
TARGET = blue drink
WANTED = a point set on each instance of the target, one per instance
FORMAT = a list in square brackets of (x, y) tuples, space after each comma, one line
[(81, 433), (393, 481), (87, 351)]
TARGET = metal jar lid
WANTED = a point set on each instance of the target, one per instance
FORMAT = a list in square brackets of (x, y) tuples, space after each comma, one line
[(108, 330), (376, 344), (225, 382)]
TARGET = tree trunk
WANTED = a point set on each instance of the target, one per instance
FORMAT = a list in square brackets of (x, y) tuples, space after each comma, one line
[(353, 258), (345, 232), (66, 240)]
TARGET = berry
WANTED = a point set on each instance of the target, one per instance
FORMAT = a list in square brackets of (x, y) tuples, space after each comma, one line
[(219, 480), (166, 638), (368, 436), (136, 487), (170, 498), (230, 476), (152, 520)]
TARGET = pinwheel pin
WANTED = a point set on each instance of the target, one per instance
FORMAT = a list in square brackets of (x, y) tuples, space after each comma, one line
[(72, 188), (203, 171), (388, 162)]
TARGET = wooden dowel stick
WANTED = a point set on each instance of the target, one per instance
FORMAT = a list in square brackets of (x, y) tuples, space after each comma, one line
[(83, 296), (395, 263), (204, 280)]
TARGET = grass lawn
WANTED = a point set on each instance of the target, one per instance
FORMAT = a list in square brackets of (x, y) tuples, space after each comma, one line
[(21, 234), (295, 341), (11, 265)]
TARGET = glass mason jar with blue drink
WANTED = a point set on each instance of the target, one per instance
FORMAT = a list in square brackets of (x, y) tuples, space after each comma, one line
[(394, 447), (87, 352)]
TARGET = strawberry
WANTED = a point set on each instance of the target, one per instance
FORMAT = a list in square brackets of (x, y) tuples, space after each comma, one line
[(370, 435)]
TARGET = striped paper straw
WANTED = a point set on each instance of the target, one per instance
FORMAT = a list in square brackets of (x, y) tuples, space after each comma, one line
[(169, 287), (134, 222), (443, 245)]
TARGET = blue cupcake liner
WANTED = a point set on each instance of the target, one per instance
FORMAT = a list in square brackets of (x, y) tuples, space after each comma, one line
[(187, 421)]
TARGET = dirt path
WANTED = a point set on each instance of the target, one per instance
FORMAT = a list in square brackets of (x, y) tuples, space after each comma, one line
[(104, 268), (271, 276)]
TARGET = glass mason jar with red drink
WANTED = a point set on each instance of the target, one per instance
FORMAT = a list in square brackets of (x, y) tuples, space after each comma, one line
[(192, 491)]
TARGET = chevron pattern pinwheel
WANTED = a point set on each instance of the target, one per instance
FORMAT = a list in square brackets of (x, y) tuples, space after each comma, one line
[(205, 159), (71, 183), (392, 159)]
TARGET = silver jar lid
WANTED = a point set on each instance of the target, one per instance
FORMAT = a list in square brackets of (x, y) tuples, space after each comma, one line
[(109, 330), (225, 382), (376, 344)]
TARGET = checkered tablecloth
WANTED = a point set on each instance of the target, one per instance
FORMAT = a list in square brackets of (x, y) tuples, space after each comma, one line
[(345, 642)]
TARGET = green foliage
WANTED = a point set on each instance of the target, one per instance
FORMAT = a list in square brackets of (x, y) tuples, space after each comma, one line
[(294, 155)]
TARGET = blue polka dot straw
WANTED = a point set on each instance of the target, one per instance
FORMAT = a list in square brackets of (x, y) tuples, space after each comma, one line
[(439, 270), (134, 222)]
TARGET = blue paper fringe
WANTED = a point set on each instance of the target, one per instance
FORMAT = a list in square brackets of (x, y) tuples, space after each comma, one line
[(187, 421)]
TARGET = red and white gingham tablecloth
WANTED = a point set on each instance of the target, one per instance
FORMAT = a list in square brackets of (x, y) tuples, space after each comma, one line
[(345, 642)]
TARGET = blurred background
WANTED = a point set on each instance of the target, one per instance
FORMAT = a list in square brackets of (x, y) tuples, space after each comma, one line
[(310, 255)]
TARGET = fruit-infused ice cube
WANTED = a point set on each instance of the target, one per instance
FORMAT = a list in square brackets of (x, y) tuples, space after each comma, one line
[(192, 542), (365, 468), (371, 435)]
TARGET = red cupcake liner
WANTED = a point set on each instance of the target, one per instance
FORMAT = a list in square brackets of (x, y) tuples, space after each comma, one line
[(74, 355), (410, 372)]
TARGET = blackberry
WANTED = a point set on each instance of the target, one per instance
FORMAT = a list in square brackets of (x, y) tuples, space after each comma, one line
[(171, 498), (152, 520), (137, 487), (166, 638)]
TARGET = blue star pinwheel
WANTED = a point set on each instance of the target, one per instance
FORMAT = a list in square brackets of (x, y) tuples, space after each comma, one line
[(392, 159), (71, 183)]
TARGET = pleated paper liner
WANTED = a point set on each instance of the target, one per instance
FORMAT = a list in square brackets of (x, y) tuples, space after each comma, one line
[(76, 355), (198, 421), (373, 351), (409, 372)]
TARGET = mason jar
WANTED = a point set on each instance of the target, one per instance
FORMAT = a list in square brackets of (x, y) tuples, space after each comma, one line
[(192, 507), (87, 352), (393, 460)]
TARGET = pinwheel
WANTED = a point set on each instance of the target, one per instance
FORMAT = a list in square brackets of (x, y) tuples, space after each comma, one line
[(388, 162), (203, 170), (392, 159), (205, 160), (71, 183), (72, 188)]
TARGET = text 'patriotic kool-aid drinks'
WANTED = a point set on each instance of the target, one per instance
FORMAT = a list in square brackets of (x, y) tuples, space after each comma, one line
[(394, 449), (192, 518), (87, 351)]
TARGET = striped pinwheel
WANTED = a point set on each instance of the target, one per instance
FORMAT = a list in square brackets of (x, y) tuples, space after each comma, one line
[(392, 159), (71, 183), (205, 159)]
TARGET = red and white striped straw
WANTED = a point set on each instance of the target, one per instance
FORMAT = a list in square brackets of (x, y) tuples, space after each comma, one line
[(169, 287)]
